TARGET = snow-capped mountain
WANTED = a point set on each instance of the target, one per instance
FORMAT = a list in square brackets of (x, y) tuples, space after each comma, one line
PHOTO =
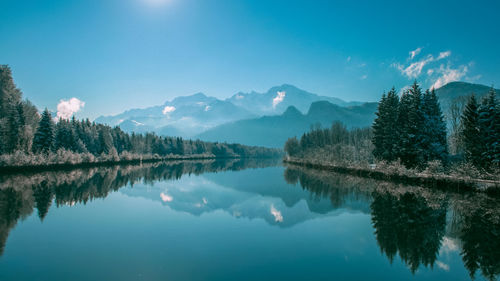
[(277, 99), (188, 116), (183, 116)]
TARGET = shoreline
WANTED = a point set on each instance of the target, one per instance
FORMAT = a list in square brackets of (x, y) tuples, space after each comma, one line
[(71, 166), (489, 187)]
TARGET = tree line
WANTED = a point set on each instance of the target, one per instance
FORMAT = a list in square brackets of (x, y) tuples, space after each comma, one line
[(336, 144), (23, 130), (411, 128)]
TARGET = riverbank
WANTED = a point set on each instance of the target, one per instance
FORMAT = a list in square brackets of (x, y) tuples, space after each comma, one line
[(41, 163), (440, 181)]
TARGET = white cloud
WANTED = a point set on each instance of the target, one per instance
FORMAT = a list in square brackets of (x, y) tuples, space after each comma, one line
[(166, 198), (168, 109), (443, 55), (280, 96), (448, 75), (414, 69), (66, 108), (448, 245), (278, 217), (443, 266), (415, 52)]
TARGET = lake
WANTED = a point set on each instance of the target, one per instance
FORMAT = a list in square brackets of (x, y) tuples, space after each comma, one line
[(239, 220)]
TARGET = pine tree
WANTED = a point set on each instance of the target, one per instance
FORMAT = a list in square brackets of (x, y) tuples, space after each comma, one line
[(65, 137), (488, 126), (392, 137), (471, 135), (105, 140), (403, 128), (44, 136), (292, 146), (10, 97), (378, 127), (434, 140), (385, 136), (415, 151)]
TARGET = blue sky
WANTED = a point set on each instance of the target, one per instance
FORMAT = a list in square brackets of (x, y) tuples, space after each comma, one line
[(120, 54)]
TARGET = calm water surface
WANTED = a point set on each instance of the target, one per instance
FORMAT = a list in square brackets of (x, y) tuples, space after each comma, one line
[(239, 220)]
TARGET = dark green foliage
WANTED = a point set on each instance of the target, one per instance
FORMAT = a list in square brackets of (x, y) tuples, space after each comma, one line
[(471, 133), (434, 139), (408, 225), (292, 146), (410, 128), (337, 143), (65, 136), (385, 136), (16, 117), (43, 198), (44, 136), (489, 124), (414, 154), (480, 236), (403, 127)]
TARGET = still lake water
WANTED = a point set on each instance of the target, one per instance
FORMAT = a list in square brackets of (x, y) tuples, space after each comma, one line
[(239, 220)]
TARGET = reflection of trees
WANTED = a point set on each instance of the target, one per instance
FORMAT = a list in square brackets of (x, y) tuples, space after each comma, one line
[(480, 236), (411, 221), (337, 187), (12, 208), (19, 194), (408, 224), (43, 198)]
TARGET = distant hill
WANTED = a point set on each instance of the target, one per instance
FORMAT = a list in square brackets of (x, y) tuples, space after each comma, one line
[(273, 131), (454, 90)]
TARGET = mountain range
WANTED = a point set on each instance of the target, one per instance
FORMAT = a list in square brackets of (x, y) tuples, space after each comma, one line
[(263, 119), (188, 116)]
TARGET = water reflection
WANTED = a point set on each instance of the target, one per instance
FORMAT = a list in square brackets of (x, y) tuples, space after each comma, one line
[(418, 223), (416, 226), (20, 194), (409, 224)]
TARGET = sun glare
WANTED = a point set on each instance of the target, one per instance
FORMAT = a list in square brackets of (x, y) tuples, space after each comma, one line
[(156, 2)]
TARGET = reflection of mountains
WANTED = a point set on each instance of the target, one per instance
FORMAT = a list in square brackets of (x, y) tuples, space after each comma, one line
[(261, 193), (20, 194)]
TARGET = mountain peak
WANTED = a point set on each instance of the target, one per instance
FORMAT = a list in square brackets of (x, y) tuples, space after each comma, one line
[(285, 87), (292, 111)]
